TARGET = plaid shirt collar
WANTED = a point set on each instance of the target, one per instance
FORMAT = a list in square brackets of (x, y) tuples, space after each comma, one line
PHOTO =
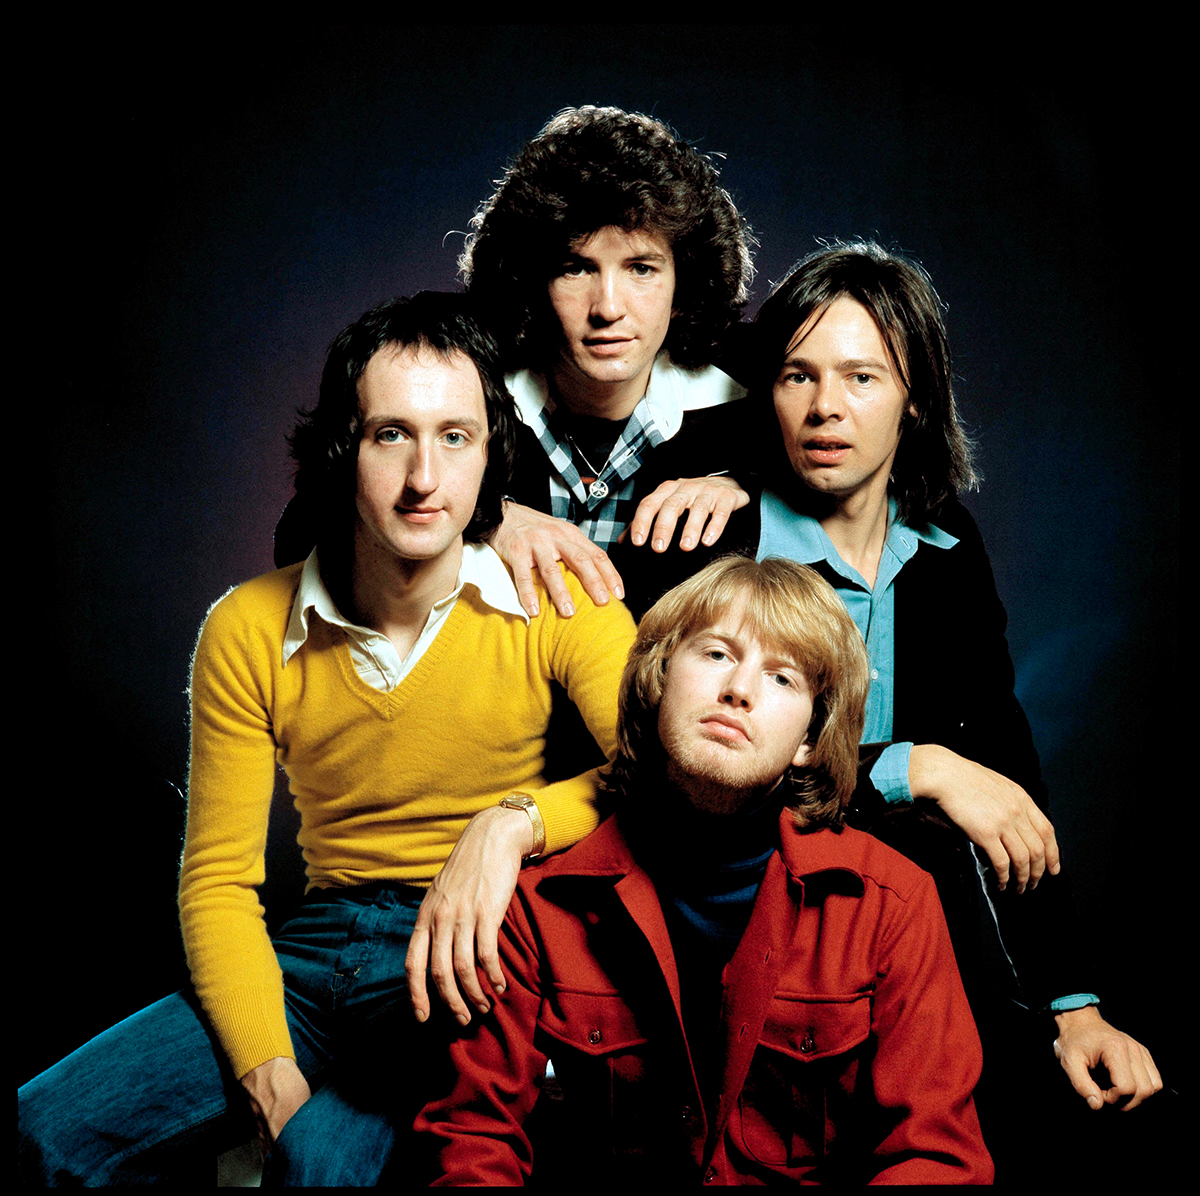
[(603, 512)]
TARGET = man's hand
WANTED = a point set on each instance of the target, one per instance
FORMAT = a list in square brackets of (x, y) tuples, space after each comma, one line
[(529, 540), (461, 914), (277, 1089), (1085, 1041), (994, 812), (710, 500)]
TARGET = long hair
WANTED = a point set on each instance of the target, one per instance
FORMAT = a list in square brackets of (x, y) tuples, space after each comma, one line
[(934, 460), (325, 441), (592, 168), (789, 608)]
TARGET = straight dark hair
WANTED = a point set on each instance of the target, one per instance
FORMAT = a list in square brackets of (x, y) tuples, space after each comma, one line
[(325, 441), (934, 460)]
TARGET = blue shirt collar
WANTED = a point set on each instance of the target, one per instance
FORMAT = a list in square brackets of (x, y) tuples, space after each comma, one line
[(787, 532)]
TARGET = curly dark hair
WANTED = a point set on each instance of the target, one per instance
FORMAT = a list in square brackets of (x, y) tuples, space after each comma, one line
[(325, 441), (592, 168), (934, 460)]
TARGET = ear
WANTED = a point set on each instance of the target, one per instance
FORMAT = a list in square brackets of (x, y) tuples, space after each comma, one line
[(802, 754), (912, 411)]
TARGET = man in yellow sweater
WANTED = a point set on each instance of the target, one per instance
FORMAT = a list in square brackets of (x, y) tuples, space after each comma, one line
[(397, 680)]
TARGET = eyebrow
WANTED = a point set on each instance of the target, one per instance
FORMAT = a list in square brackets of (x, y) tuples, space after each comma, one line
[(842, 367), (772, 656), (651, 255), (467, 423)]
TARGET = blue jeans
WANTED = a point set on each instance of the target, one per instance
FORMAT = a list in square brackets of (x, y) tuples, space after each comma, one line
[(154, 1100)]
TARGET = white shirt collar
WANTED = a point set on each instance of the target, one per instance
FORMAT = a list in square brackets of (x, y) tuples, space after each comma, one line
[(670, 392), (481, 568)]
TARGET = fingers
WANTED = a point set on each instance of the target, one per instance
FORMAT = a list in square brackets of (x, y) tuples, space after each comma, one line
[(1026, 854), (446, 947), (643, 517), (522, 571), (487, 953), (451, 958), (1075, 1064), (1033, 846), (465, 978), (415, 964), (707, 500), (547, 560), (1045, 829), (998, 857), (590, 564), (1133, 1074), (595, 571)]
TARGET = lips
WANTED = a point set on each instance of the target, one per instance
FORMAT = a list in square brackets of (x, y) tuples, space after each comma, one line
[(418, 514), (724, 726), (607, 346), (826, 450)]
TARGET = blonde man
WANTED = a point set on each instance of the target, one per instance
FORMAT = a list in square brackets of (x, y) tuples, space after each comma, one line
[(734, 986)]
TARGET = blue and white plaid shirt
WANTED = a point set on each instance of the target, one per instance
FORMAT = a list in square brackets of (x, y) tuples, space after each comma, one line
[(602, 512)]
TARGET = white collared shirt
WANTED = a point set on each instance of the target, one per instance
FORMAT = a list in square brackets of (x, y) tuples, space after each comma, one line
[(670, 391), (375, 657)]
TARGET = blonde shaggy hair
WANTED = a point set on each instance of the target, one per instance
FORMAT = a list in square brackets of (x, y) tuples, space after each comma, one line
[(791, 609)]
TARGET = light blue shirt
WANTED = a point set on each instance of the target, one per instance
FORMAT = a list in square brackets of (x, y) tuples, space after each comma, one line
[(789, 533)]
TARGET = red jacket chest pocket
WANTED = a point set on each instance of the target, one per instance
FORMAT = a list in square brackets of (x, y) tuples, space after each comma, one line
[(605, 1059), (802, 1078)]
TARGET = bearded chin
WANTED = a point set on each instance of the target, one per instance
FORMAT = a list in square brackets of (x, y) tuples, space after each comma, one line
[(713, 787)]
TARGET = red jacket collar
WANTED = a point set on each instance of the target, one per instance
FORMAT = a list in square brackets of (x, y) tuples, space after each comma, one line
[(606, 853)]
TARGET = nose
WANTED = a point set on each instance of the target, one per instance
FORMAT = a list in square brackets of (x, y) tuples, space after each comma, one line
[(422, 475), (825, 402), (738, 687), (607, 300)]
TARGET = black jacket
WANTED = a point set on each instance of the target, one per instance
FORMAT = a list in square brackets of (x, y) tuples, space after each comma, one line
[(953, 686)]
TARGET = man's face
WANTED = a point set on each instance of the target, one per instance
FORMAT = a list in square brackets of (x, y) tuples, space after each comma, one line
[(734, 714), (840, 400), (612, 299), (422, 454)]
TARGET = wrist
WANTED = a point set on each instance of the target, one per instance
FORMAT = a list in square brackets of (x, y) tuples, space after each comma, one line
[(925, 762), (1067, 1019), (535, 843), (262, 1080)]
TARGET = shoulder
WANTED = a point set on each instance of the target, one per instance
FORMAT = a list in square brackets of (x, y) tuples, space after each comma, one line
[(952, 517), (878, 866), (603, 853), (264, 603), (589, 617), (706, 387)]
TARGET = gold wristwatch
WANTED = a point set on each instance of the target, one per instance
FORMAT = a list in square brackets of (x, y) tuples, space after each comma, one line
[(522, 801)]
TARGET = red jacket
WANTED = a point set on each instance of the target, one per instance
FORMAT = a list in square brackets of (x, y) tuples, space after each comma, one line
[(849, 1055)]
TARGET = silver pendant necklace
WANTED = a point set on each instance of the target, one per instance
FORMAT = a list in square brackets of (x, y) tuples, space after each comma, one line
[(597, 489)]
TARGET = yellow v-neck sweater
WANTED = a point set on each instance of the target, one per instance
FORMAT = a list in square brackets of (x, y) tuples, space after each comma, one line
[(385, 783)]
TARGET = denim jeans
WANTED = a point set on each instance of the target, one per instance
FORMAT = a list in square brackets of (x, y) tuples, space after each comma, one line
[(153, 1099)]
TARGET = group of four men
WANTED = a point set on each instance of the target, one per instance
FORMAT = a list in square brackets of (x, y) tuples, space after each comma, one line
[(733, 981)]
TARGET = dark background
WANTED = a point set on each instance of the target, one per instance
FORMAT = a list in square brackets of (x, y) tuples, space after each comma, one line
[(208, 217)]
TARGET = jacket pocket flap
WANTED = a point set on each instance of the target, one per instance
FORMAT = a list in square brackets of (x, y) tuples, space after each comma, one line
[(595, 1023), (815, 1027)]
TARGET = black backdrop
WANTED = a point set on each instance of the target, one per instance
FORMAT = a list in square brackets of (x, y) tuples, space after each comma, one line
[(208, 216)]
